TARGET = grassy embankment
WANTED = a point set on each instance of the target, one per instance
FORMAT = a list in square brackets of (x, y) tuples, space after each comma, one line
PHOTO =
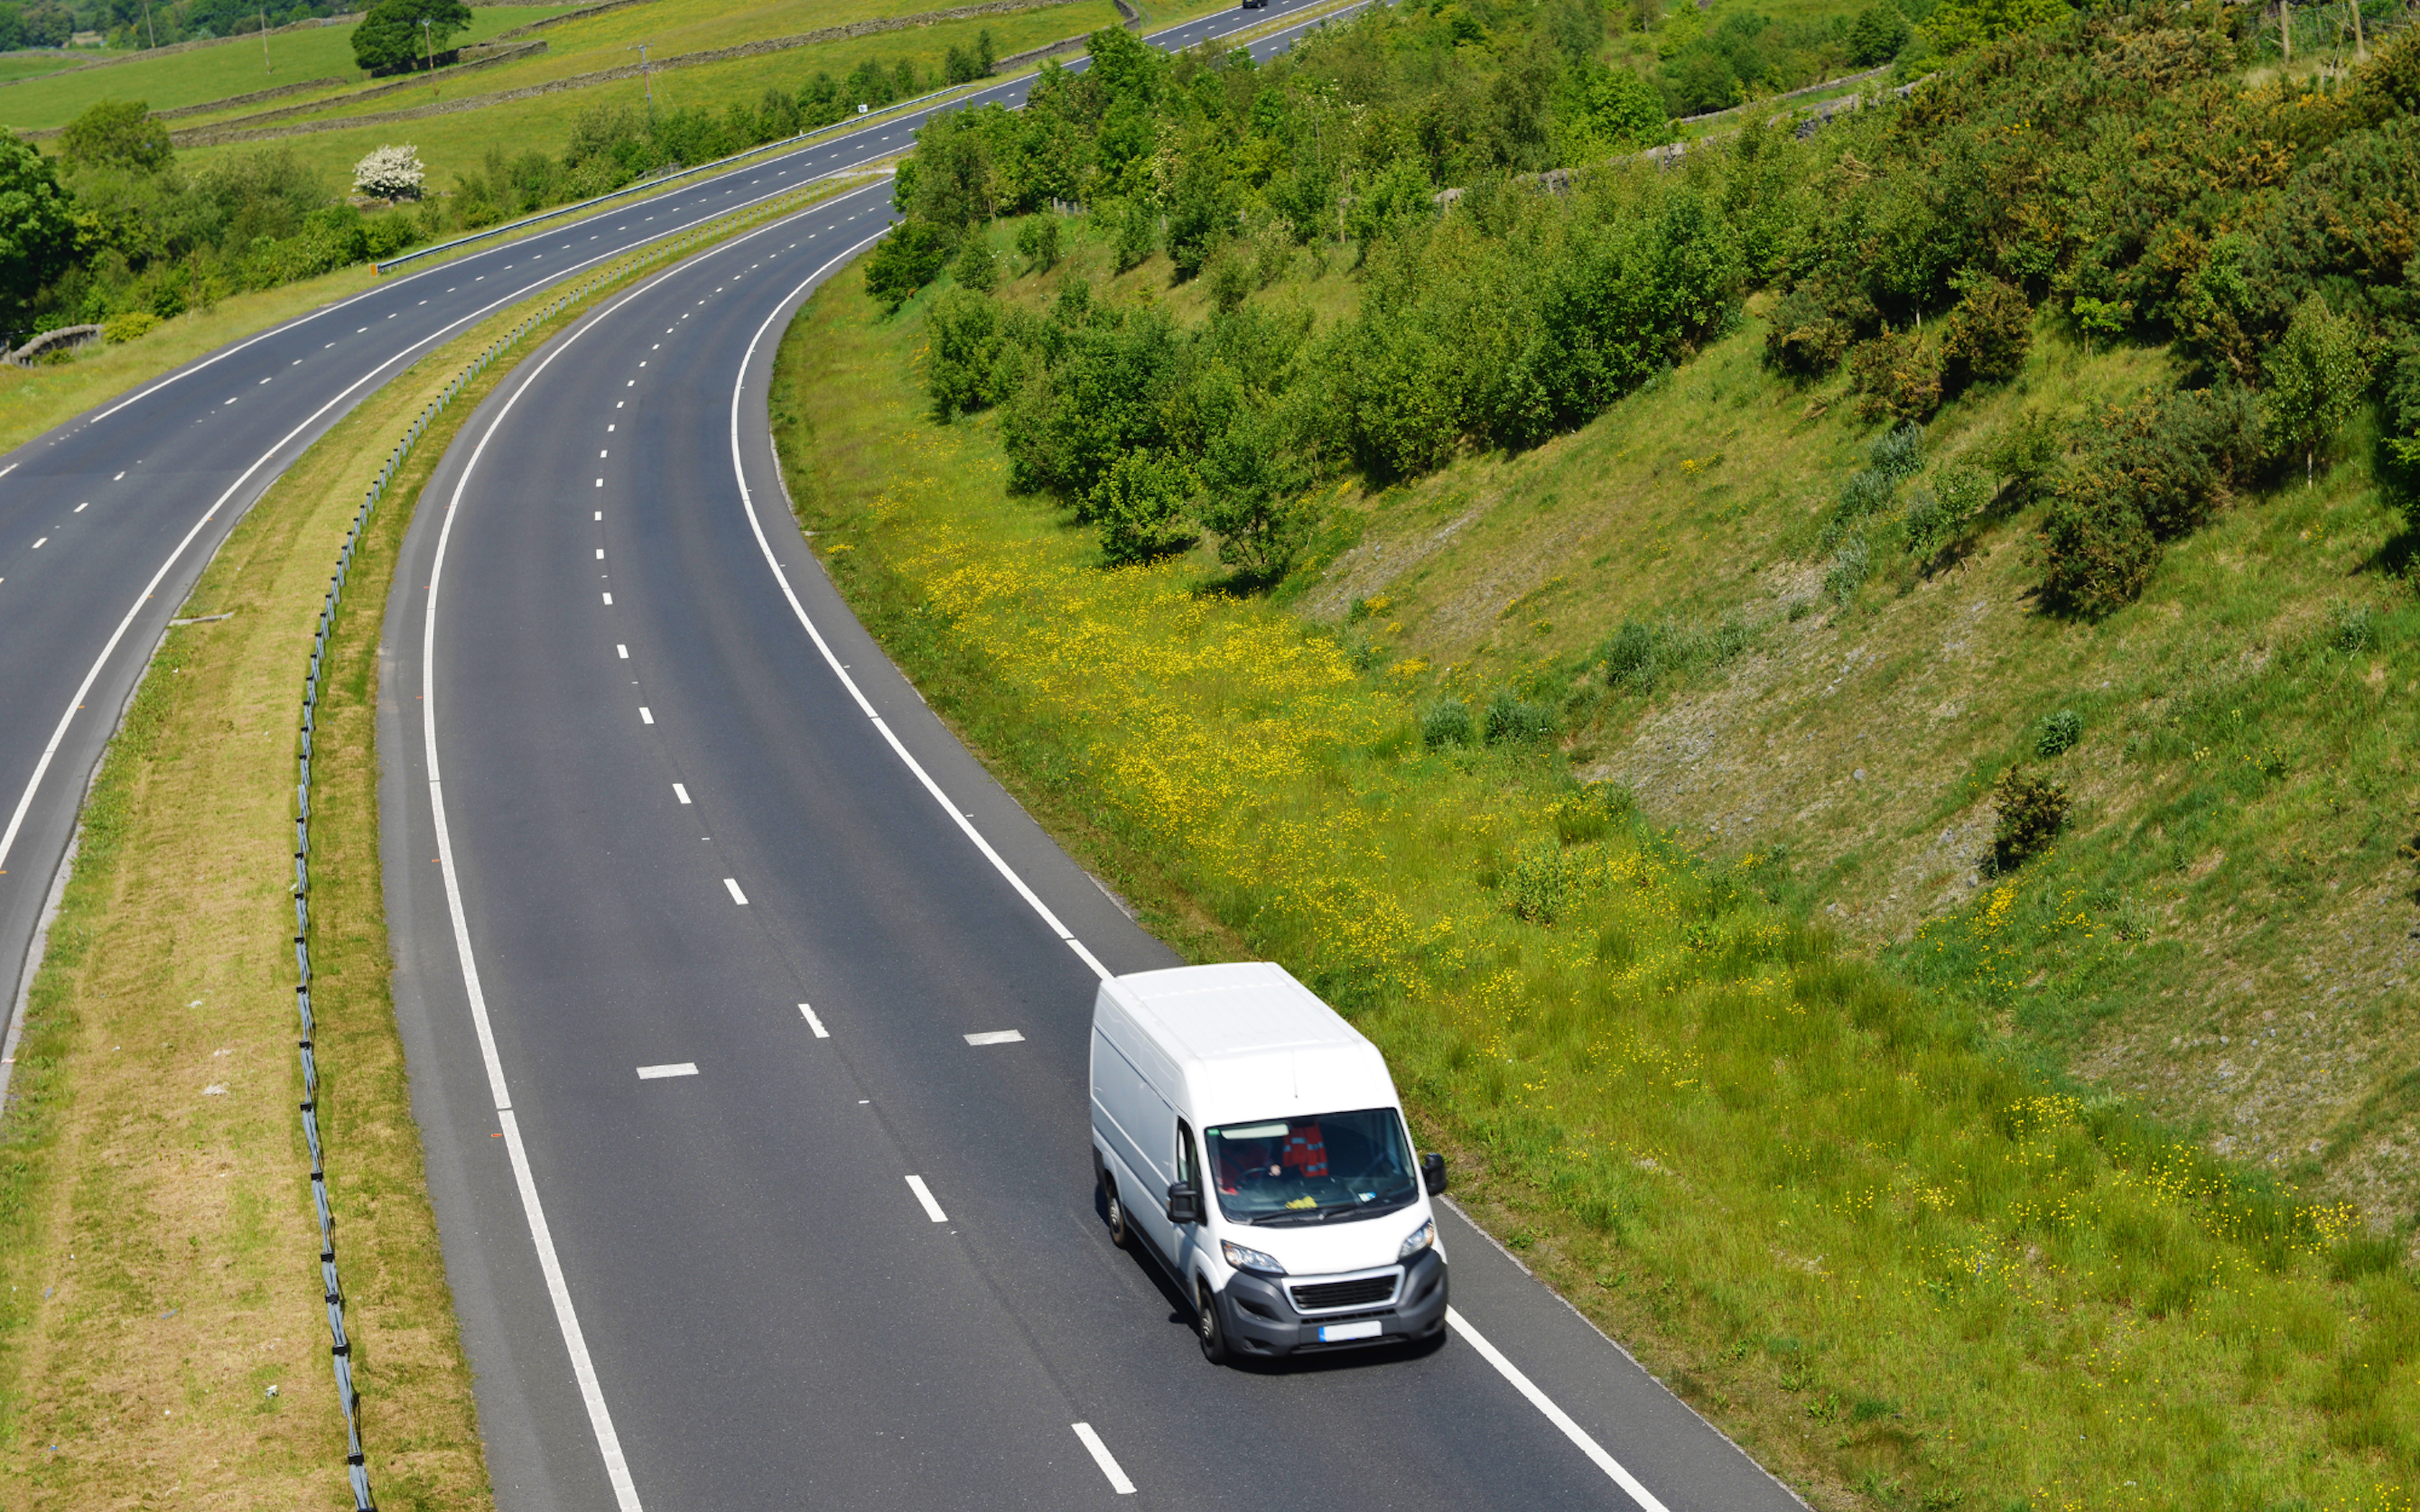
[(156, 1228), (1840, 1215)]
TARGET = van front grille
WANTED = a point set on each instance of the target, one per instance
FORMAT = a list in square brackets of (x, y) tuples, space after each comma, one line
[(1364, 1291)]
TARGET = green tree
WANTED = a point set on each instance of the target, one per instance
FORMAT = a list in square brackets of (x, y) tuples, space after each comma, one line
[(2316, 376), (961, 366), (1877, 35), (392, 37), (36, 224), (1252, 497), (906, 260), (116, 133), (1140, 507), (1200, 212)]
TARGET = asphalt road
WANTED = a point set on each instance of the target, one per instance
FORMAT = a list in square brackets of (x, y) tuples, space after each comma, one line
[(106, 521), (655, 802)]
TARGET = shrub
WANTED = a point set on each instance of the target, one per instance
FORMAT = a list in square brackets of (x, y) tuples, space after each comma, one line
[(1447, 723), (1807, 339), (961, 373), (2031, 811), (1253, 495), (904, 261), (1898, 376), (1139, 507), (1988, 335), (1137, 231), (1851, 565), (1230, 279), (2023, 452), (2095, 551), (1941, 514), (389, 172), (1589, 811), (976, 268), (2355, 630), (2173, 458), (1511, 719), (1539, 886), (127, 327), (2058, 734), (1037, 242), (1897, 453)]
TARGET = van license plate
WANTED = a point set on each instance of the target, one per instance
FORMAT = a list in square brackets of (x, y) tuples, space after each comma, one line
[(1339, 1332)]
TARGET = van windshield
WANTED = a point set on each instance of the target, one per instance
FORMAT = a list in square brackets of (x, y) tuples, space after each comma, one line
[(1336, 1166)]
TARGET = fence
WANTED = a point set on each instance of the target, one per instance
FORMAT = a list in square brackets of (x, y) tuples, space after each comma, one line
[(340, 1349)]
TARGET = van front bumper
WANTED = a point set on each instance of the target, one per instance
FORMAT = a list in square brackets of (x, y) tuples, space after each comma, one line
[(1261, 1319)]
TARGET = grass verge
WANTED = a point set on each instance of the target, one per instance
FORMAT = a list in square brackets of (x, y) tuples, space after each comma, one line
[(156, 1229), (1897, 1266)]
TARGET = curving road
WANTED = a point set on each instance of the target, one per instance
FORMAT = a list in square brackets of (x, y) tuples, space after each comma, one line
[(106, 521), (695, 905)]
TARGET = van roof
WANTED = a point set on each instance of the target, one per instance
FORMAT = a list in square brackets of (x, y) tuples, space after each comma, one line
[(1254, 1042)]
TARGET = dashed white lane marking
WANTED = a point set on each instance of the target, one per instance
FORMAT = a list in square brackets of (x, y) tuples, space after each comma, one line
[(38, 544), (358, 332), (651, 1073), (600, 553), (645, 715), (12, 467), (814, 1022), (1101, 1457), (608, 427), (623, 651), (609, 600), (264, 380), (1545, 1404), (120, 478), (601, 454), (731, 884), (996, 1037), (81, 508), (681, 792), (600, 516), (924, 1195), (600, 482)]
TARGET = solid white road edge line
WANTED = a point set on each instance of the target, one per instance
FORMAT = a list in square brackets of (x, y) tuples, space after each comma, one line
[(747, 502), (814, 1022), (1545, 1404), (1101, 1457), (924, 1195), (575, 1342)]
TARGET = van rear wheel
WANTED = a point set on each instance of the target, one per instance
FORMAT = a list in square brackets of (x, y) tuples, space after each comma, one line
[(1120, 1233), (1207, 1326)]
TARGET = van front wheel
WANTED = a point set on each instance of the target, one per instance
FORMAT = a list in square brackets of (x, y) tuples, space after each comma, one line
[(1207, 1326)]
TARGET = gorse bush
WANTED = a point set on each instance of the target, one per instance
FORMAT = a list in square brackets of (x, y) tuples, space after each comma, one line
[(2029, 809), (1989, 334)]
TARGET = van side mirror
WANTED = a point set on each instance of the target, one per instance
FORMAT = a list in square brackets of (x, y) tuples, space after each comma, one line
[(1433, 1173), (1184, 1203)]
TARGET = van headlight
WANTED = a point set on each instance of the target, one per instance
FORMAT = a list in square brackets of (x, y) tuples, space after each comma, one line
[(1417, 1240), (1245, 1257)]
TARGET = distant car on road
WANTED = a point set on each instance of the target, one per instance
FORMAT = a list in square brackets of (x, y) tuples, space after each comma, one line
[(1252, 1142)]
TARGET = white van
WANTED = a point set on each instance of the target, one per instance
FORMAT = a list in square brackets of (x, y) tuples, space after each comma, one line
[(1253, 1141)]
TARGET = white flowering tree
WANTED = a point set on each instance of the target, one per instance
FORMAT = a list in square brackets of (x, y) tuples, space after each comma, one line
[(389, 172)]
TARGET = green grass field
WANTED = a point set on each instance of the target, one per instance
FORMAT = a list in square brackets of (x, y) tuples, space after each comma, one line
[(231, 67), (452, 143), (1854, 1220)]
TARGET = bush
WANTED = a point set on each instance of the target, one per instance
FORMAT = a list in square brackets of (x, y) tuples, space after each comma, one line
[(1897, 453), (1630, 657), (976, 268), (2095, 553), (2058, 734), (1447, 723), (2023, 452), (1898, 376), (2173, 458), (1139, 507), (1942, 513), (1806, 340), (2031, 811), (1037, 242), (1851, 564), (1514, 720), (127, 327), (1137, 231), (904, 261), (1988, 335), (962, 371), (389, 172), (1538, 887)]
